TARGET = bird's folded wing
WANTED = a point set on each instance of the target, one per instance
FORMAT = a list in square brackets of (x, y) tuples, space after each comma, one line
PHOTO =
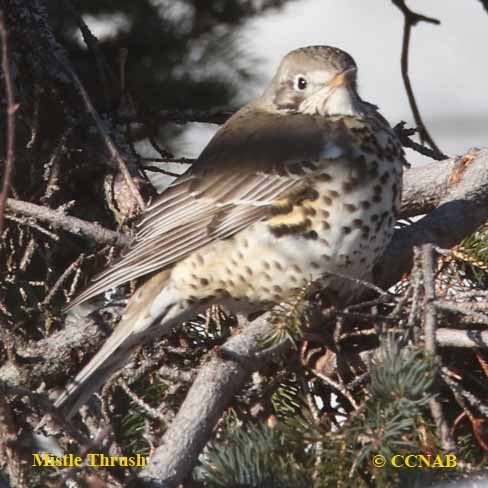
[(232, 185)]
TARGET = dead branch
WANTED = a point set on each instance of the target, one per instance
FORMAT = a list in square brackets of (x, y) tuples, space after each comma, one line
[(216, 383), (430, 326), (461, 209), (467, 339), (411, 19), (49, 359), (404, 134), (93, 45), (59, 220), (112, 148), (11, 109)]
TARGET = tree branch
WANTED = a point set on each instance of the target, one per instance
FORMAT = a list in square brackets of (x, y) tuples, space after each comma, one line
[(411, 19), (59, 220), (11, 109), (430, 327), (215, 385), (462, 208)]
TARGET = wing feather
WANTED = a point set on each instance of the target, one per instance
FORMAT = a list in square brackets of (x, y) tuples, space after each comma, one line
[(233, 184)]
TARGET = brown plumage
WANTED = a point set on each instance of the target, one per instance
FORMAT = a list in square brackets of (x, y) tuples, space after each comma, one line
[(300, 184)]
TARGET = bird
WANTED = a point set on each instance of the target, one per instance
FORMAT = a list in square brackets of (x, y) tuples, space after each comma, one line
[(301, 185)]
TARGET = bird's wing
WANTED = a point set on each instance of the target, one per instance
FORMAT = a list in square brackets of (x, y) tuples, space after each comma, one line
[(234, 182)]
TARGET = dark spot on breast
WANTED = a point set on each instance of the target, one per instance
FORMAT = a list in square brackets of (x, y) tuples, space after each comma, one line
[(394, 189), (204, 282), (281, 230), (309, 211), (311, 234), (325, 225), (346, 230), (327, 200), (377, 198), (281, 209), (350, 207), (374, 217), (365, 204), (357, 223), (348, 186), (384, 177), (378, 189)]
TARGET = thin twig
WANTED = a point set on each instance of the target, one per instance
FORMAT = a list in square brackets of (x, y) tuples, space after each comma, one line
[(11, 109), (430, 325), (59, 220), (410, 19), (114, 152), (429, 307), (151, 412), (341, 389), (485, 5), (404, 136), (155, 169), (92, 43)]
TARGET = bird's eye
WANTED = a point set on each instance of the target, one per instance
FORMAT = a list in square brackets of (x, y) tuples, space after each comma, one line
[(300, 83)]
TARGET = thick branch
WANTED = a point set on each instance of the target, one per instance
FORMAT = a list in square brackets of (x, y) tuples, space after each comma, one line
[(468, 339), (217, 382), (462, 209), (59, 220), (50, 360)]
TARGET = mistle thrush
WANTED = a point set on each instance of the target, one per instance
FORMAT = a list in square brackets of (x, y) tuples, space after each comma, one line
[(301, 184)]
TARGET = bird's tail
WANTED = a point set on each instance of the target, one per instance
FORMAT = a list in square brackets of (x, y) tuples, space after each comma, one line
[(150, 313)]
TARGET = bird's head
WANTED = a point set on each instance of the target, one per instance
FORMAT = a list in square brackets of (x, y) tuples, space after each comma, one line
[(315, 80)]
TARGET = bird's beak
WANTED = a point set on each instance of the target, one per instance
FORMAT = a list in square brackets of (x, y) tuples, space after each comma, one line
[(340, 79)]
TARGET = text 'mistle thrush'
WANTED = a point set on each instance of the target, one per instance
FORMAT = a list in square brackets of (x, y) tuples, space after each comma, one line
[(302, 184)]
